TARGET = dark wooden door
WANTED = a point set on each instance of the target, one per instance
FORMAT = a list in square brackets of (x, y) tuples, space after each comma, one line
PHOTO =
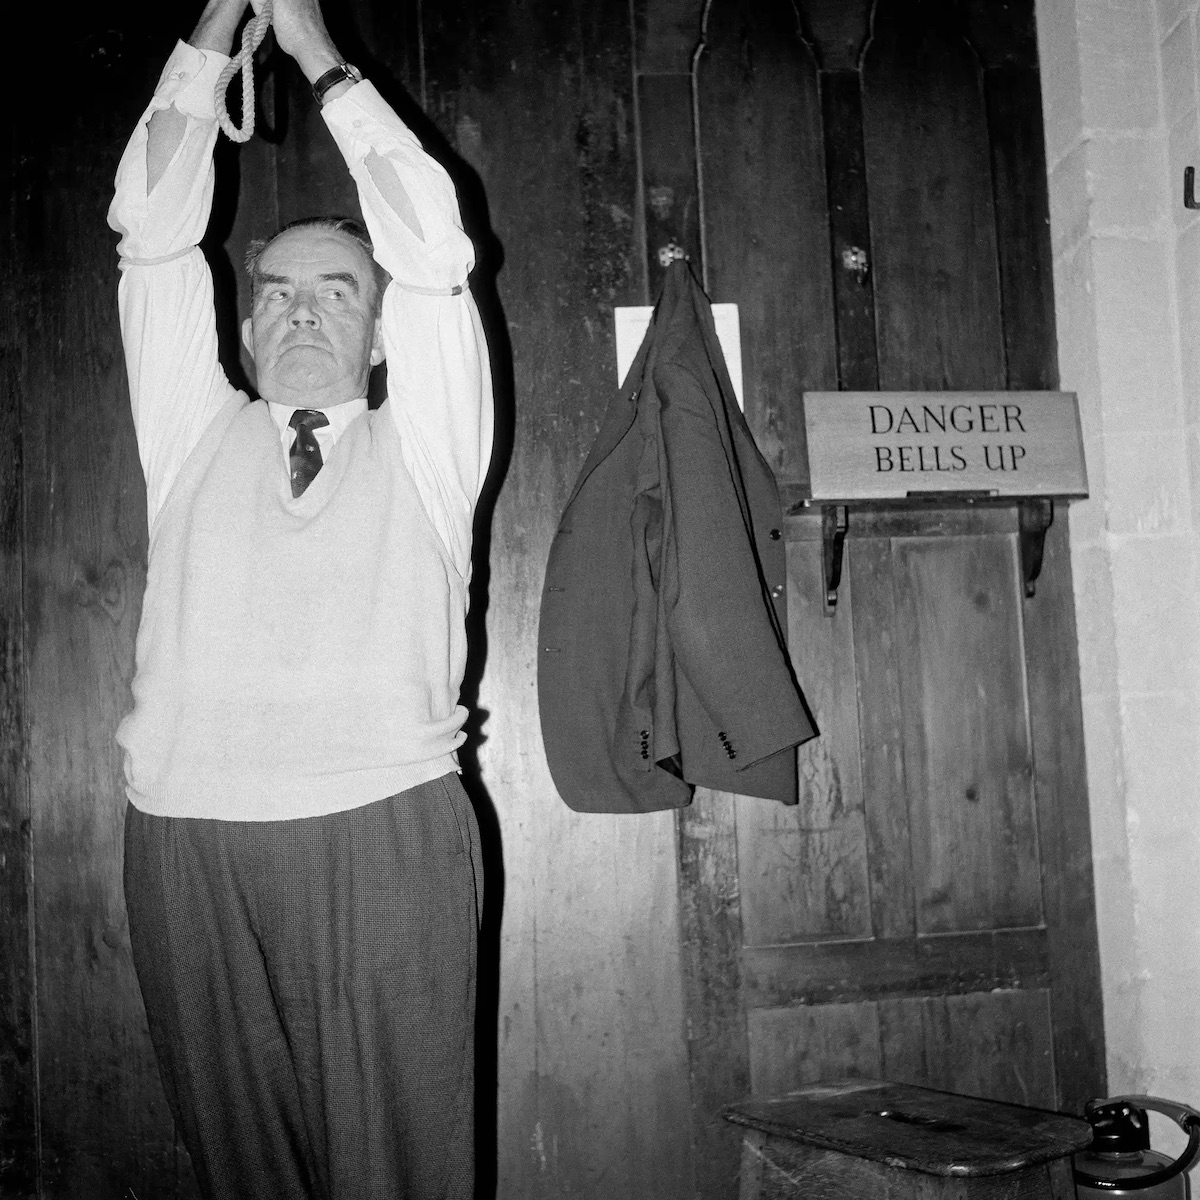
[(874, 198)]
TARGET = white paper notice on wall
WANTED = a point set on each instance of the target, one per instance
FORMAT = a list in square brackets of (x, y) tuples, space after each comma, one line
[(631, 325)]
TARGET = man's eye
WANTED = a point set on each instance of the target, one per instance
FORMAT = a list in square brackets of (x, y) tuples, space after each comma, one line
[(336, 294), (277, 294)]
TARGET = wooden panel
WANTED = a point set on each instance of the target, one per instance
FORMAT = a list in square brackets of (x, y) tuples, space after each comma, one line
[(311, 175), (18, 1081), (917, 1129), (885, 781), (917, 520), (803, 870), (840, 30), (897, 1140), (670, 199), (1022, 225), (791, 1047), (766, 214), (994, 1044), (851, 235), (932, 219), (1051, 640), (666, 34), (104, 1125), (825, 972), (780, 1167), (537, 106), (1060, 777), (968, 760), (710, 922)]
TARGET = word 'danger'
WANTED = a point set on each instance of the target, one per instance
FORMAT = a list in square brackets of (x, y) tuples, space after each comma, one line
[(886, 445)]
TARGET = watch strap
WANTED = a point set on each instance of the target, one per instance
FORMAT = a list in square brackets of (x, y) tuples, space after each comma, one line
[(334, 76)]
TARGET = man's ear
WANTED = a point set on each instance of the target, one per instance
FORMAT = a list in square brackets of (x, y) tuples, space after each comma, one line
[(377, 354), (248, 335)]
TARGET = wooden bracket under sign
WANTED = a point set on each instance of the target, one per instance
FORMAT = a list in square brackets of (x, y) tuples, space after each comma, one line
[(834, 522), (1035, 515)]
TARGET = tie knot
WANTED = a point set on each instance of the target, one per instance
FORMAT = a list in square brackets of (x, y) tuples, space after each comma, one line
[(308, 419)]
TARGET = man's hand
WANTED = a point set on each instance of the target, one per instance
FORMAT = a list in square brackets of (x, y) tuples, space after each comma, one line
[(217, 25), (300, 31)]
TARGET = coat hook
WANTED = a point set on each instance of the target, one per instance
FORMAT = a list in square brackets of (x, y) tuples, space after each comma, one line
[(1189, 188)]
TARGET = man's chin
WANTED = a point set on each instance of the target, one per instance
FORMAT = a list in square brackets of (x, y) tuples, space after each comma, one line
[(298, 378)]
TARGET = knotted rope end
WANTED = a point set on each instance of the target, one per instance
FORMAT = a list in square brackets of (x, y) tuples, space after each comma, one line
[(243, 61)]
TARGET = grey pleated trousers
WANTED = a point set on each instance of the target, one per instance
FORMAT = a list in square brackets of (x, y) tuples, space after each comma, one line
[(310, 990)]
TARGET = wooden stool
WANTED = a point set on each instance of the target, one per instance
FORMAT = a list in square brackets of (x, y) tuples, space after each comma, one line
[(891, 1141)]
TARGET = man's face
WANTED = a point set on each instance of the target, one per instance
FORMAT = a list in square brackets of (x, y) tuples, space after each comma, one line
[(313, 333)]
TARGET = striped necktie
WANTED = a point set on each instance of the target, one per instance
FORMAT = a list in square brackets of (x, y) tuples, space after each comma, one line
[(304, 458)]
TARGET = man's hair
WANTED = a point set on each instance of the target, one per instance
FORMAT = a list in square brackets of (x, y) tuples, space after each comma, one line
[(353, 229)]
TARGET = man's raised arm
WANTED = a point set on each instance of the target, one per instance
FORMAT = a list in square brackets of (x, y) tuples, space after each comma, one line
[(439, 383), (161, 208)]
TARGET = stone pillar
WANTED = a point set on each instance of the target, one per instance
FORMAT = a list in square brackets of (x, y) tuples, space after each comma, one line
[(1119, 86)]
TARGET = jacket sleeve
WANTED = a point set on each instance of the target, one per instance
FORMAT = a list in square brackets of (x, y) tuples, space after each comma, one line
[(717, 606)]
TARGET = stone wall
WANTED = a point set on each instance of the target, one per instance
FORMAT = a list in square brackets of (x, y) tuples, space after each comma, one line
[(1119, 84)]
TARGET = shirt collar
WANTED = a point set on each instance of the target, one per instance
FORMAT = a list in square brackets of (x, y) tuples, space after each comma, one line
[(340, 415)]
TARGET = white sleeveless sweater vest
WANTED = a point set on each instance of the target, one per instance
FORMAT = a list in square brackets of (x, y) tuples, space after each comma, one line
[(295, 656)]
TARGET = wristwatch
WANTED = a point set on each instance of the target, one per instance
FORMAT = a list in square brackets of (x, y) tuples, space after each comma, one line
[(333, 77)]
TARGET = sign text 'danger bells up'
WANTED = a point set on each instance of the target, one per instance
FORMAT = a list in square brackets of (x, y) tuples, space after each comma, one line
[(889, 445)]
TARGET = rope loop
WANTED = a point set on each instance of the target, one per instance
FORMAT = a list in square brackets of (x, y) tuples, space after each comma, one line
[(243, 61)]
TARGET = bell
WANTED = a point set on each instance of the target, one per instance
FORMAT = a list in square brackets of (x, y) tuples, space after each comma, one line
[(1119, 1161)]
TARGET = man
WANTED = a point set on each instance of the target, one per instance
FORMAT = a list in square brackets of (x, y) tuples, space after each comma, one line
[(302, 866)]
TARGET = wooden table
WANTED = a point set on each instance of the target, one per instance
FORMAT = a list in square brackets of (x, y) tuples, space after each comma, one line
[(885, 1141)]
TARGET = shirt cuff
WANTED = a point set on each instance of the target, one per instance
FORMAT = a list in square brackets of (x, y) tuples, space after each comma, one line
[(360, 112), (189, 81)]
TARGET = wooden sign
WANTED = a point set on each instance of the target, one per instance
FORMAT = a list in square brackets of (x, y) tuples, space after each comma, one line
[(893, 445)]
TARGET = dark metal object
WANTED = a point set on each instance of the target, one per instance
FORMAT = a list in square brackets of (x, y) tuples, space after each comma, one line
[(834, 521), (1119, 1162), (1035, 517)]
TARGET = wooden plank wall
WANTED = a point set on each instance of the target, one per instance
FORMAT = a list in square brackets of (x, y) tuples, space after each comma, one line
[(18, 1084), (537, 101), (568, 129), (584, 1086), (101, 1123)]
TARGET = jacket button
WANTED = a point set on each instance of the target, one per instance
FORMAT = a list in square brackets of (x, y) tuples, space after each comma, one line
[(777, 591), (774, 535)]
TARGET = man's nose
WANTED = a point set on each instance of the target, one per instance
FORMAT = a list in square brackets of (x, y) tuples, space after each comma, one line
[(304, 313)]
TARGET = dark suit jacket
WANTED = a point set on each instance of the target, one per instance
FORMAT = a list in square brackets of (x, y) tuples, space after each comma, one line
[(662, 660)]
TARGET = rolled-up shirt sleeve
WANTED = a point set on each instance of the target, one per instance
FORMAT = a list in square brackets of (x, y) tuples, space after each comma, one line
[(439, 383), (165, 296)]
